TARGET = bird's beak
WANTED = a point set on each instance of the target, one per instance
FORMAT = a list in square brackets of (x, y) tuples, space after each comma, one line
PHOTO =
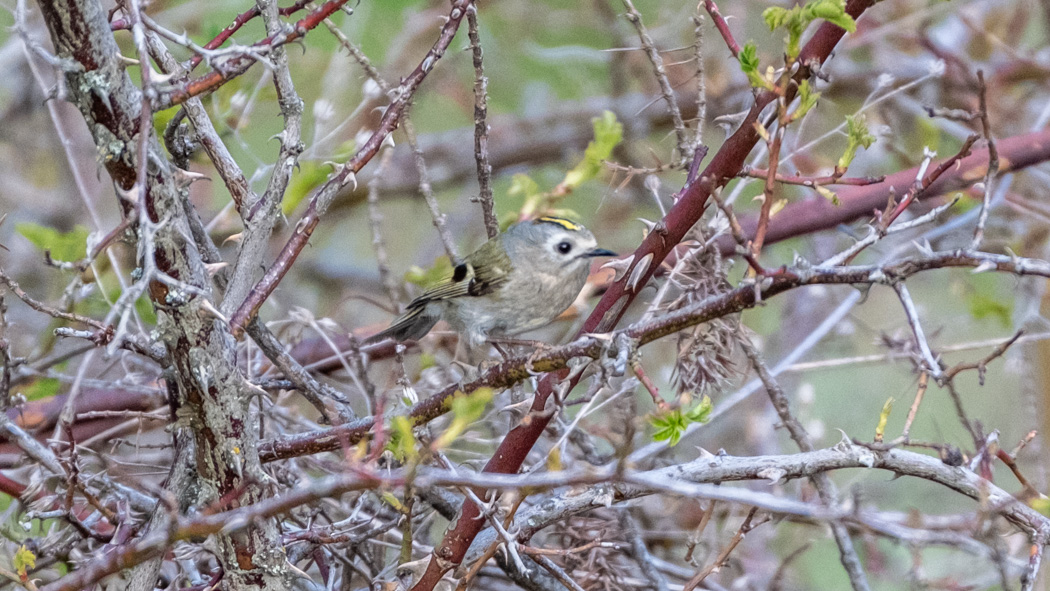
[(600, 252)]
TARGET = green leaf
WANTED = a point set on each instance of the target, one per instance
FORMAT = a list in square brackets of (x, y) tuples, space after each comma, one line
[(522, 184), (828, 194), (749, 64), (701, 413), (402, 440), (23, 561), (987, 304), (807, 99), (41, 389), (608, 132), (793, 21), (390, 499), (441, 269), (1041, 504), (796, 19), (669, 427), (776, 16), (833, 11), (306, 178), (144, 307), (748, 58), (884, 417), (857, 136), (64, 246), (466, 409)]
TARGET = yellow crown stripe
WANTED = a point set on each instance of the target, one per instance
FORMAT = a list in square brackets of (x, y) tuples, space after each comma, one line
[(564, 223)]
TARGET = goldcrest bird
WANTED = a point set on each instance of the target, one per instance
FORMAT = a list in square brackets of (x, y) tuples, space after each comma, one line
[(519, 280)]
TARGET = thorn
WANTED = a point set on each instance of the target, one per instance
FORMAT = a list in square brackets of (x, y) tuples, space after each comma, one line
[(620, 266), (639, 271), (351, 178), (214, 268), (207, 306)]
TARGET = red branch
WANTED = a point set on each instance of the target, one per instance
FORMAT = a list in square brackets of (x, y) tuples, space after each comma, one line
[(725, 165), (239, 65), (805, 217), (920, 186), (722, 26), (239, 22)]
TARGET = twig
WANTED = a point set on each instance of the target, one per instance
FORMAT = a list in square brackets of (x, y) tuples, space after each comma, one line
[(1035, 559), (261, 217), (428, 194), (722, 26), (924, 380), (743, 245), (993, 162), (701, 79), (680, 478), (817, 181), (239, 64), (982, 364), (305, 384), (104, 332), (685, 151), (641, 553), (932, 365), (769, 188), (557, 572), (231, 174), (875, 235), (723, 556), (961, 413), (375, 220), (358, 56), (825, 487), (807, 216), (895, 355), (923, 182), (481, 126), (639, 371), (776, 583), (1030, 491), (694, 538), (237, 23)]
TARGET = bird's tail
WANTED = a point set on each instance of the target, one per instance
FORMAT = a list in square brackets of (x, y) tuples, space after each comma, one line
[(413, 325)]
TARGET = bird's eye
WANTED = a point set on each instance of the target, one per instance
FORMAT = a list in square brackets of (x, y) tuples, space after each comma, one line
[(564, 247)]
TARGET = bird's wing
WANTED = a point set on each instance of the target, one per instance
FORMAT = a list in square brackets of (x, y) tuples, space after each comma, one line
[(470, 280), (466, 280)]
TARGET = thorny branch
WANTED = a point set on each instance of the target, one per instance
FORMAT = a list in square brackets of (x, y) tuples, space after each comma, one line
[(554, 359), (227, 415)]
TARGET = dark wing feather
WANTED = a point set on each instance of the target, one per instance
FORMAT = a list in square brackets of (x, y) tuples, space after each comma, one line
[(471, 279), (413, 325), (466, 280)]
